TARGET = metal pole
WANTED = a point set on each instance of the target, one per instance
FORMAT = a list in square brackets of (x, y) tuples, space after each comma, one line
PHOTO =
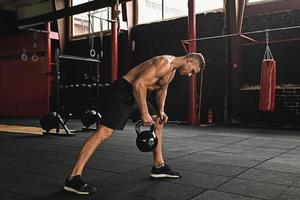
[(240, 34), (48, 69), (200, 96), (57, 77), (192, 118), (163, 9), (97, 87), (114, 44), (100, 18)]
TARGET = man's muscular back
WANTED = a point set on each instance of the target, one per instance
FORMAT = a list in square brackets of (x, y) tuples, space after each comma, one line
[(154, 73)]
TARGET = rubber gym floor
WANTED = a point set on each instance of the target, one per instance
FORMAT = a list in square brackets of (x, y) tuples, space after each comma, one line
[(216, 162)]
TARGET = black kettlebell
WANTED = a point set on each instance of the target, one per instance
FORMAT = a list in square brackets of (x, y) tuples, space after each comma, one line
[(49, 121), (90, 117), (146, 141)]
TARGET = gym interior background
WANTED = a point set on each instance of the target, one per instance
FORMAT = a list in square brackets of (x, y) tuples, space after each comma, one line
[(226, 95), (147, 40)]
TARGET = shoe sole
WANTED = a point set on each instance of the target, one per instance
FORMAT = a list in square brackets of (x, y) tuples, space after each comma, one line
[(75, 191), (164, 176)]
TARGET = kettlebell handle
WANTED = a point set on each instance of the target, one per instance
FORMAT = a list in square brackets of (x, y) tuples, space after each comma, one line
[(139, 124)]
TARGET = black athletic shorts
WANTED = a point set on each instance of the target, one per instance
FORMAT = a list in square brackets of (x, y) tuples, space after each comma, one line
[(120, 105)]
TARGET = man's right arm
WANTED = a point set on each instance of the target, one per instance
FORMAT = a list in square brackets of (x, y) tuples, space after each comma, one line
[(139, 88), (148, 77), (140, 95)]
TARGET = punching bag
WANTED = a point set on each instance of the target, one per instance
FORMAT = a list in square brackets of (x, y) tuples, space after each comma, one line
[(267, 85), (267, 82)]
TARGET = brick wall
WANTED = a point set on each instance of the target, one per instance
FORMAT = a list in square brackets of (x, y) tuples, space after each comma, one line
[(287, 107), (289, 100), (286, 54)]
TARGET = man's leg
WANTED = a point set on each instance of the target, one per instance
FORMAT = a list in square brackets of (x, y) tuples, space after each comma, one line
[(103, 133), (160, 169), (157, 153), (74, 183)]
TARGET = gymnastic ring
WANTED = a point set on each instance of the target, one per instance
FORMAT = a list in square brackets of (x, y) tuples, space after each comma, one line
[(24, 57), (34, 58), (92, 53)]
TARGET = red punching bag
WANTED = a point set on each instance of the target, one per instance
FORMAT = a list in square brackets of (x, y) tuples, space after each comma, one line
[(267, 82)]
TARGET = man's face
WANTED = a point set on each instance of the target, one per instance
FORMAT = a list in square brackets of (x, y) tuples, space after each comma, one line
[(189, 68)]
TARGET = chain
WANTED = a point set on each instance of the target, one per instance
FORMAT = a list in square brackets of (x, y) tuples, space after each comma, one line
[(34, 57), (268, 53), (267, 36), (117, 14)]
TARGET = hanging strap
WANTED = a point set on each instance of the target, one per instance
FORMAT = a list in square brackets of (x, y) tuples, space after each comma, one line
[(91, 35), (268, 53), (34, 57), (24, 56), (101, 38)]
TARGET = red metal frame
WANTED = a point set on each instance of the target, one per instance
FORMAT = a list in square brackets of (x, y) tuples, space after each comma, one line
[(48, 57), (193, 114), (114, 44)]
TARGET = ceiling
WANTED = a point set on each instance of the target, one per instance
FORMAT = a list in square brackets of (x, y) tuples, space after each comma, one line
[(13, 5)]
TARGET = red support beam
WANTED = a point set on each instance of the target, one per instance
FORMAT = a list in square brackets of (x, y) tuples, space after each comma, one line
[(193, 114), (48, 68), (114, 43)]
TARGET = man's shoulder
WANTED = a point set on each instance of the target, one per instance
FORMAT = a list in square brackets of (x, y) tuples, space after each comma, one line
[(165, 57), (162, 60)]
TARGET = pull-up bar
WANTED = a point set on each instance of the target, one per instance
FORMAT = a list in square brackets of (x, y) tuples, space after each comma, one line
[(69, 57), (108, 20), (241, 34)]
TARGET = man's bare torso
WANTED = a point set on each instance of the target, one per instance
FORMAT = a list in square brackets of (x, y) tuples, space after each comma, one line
[(156, 72)]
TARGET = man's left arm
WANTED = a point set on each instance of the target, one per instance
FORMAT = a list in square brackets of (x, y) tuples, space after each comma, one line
[(161, 95)]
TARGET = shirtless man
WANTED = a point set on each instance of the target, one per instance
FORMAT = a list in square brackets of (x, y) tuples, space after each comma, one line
[(129, 94)]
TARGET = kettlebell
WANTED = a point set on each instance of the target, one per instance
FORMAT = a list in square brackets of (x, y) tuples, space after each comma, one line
[(146, 141), (90, 117), (49, 121)]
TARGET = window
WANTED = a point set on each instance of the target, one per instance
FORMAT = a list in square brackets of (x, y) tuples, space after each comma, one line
[(149, 10), (175, 8), (258, 1), (80, 22), (204, 5), (155, 10)]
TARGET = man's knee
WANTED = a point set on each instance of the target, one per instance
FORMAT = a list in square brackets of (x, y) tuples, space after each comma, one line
[(104, 132), (157, 121)]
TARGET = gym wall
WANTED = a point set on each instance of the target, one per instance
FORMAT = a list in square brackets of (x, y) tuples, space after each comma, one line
[(24, 86), (164, 38), (286, 54), (152, 40)]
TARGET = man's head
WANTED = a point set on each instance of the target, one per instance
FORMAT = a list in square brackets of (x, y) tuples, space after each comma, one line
[(193, 63)]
